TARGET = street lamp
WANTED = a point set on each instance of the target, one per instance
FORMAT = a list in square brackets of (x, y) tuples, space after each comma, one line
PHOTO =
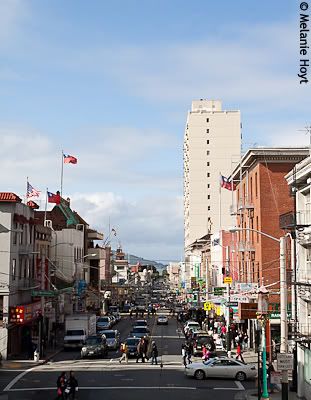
[(283, 299), (263, 294)]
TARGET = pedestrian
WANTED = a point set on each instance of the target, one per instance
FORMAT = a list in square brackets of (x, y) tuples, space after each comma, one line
[(245, 340), (131, 313), (61, 385), (136, 313), (239, 352), (154, 353), (189, 353), (184, 354), (125, 353), (140, 351), (271, 386), (72, 386), (146, 348)]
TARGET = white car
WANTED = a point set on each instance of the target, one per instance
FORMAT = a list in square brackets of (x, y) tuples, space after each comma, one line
[(162, 320), (191, 325), (223, 367)]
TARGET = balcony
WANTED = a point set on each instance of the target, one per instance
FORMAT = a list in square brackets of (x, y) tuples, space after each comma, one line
[(99, 251), (303, 219)]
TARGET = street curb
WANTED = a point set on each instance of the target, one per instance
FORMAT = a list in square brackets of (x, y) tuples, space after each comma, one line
[(51, 356)]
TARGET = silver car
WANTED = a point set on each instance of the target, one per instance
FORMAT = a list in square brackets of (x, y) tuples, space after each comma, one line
[(223, 367), (112, 338)]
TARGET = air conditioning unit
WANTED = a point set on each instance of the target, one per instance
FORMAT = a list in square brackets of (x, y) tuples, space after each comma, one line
[(80, 227), (48, 223)]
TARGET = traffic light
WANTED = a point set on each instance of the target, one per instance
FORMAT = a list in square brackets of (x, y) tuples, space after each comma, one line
[(231, 313)]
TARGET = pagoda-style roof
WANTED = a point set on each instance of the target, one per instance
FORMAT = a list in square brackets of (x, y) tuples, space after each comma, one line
[(9, 197)]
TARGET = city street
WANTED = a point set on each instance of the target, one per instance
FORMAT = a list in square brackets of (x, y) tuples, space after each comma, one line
[(106, 377)]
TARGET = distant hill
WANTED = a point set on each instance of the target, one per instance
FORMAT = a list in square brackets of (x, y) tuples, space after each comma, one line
[(134, 260)]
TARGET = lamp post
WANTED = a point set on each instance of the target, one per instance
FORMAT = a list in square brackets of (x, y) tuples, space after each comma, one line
[(263, 315), (283, 299)]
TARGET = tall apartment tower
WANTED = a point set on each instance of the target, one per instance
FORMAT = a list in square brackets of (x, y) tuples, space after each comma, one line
[(212, 146)]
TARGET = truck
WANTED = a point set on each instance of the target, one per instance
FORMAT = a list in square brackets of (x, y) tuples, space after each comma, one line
[(77, 328)]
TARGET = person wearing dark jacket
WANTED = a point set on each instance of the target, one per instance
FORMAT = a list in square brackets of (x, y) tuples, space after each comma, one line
[(154, 353), (72, 386)]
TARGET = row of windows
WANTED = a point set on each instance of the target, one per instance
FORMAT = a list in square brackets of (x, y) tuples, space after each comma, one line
[(24, 234), (25, 270)]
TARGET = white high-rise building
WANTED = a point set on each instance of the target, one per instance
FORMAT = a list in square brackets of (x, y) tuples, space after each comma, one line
[(212, 146)]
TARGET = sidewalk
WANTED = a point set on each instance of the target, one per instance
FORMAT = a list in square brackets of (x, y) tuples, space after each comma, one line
[(25, 364), (252, 395)]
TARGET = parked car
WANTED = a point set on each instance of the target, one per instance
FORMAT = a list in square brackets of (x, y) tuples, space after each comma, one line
[(221, 368), (162, 320), (113, 338), (132, 343), (113, 320), (95, 346), (103, 323), (140, 331)]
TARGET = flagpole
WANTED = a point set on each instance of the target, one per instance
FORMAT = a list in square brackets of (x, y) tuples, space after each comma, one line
[(219, 201), (62, 174), (26, 190), (46, 204)]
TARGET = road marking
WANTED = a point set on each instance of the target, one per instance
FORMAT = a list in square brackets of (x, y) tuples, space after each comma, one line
[(107, 388), (238, 384), (16, 379), (165, 337)]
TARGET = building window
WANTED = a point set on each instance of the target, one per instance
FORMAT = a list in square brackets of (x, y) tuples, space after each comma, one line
[(207, 119), (21, 234), (207, 163), (208, 174), (207, 142), (207, 153), (257, 228), (207, 130), (208, 208), (15, 227), (256, 185), (208, 197), (208, 185), (13, 269)]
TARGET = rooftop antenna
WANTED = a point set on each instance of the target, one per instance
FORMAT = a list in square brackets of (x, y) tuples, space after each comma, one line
[(307, 131)]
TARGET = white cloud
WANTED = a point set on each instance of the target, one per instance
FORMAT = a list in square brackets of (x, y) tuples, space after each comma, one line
[(150, 227)]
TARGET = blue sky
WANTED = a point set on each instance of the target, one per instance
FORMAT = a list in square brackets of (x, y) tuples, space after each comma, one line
[(111, 83)]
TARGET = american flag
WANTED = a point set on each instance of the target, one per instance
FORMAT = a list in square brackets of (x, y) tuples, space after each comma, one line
[(31, 191)]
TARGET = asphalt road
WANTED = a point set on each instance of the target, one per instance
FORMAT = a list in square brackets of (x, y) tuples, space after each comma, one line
[(107, 378)]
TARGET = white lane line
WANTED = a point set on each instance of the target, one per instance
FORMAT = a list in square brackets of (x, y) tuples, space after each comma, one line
[(238, 384), (16, 379), (107, 388)]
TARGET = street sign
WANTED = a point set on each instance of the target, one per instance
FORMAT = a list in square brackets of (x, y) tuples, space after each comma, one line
[(219, 291), (285, 361), (42, 293), (207, 306), (231, 303), (228, 279)]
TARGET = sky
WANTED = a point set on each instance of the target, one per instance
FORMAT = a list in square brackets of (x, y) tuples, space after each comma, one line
[(111, 83)]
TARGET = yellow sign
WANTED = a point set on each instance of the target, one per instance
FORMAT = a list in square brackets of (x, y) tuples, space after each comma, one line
[(207, 306), (228, 279)]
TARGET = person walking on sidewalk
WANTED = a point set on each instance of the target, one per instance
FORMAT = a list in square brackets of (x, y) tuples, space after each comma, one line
[(154, 353), (125, 353), (239, 353)]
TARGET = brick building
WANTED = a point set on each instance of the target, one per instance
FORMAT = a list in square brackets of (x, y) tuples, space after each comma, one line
[(262, 195)]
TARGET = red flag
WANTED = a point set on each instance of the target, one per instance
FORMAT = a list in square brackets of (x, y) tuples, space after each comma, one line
[(70, 159), (54, 198), (226, 184)]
